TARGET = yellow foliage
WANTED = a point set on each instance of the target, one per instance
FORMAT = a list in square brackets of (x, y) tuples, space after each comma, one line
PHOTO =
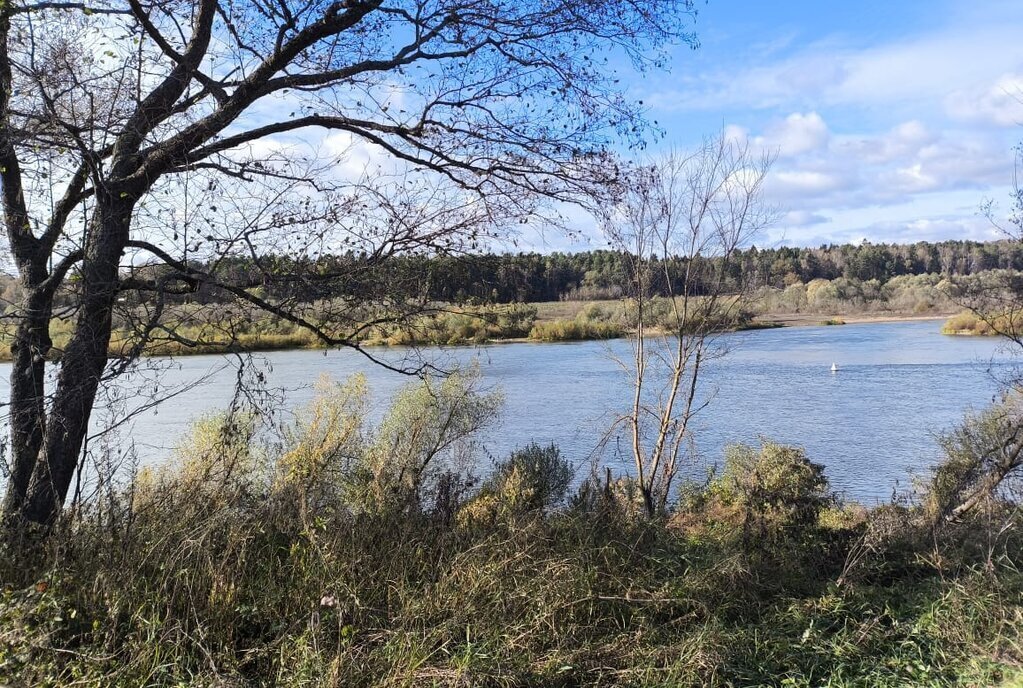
[(326, 439), (970, 323), (211, 467), (328, 429)]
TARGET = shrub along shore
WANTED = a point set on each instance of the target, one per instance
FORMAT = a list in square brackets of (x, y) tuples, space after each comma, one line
[(451, 326), (969, 323), (341, 554)]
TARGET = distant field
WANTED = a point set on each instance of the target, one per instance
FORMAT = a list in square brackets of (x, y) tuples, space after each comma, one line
[(567, 310)]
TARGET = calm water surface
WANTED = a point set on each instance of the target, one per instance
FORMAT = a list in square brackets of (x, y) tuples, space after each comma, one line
[(872, 424)]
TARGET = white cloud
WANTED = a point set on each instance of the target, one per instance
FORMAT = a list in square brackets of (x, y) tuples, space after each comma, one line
[(1000, 103), (797, 134), (784, 184), (355, 158), (911, 179), (899, 230), (803, 218), (907, 183), (836, 73), (902, 141), (934, 228), (818, 169), (734, 132)]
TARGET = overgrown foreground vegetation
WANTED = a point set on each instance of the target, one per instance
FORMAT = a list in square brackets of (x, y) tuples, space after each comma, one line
[(333, 553)]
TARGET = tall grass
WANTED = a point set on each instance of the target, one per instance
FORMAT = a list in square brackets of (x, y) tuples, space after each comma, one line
[(573, 330), (342, 554)]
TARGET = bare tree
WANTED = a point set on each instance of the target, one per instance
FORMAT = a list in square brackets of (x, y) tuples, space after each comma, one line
[(174, 130), (681, 219)]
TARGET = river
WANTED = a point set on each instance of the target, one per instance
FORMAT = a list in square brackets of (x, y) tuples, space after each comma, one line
[(872, 423)]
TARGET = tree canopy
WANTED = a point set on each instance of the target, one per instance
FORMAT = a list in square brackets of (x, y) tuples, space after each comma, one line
[(162, 131)]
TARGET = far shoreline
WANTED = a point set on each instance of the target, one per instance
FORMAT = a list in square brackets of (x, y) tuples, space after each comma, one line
[(829, 320), (760, 322)]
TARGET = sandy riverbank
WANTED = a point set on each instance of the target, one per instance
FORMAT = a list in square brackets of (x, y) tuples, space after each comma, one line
[(815, 319)]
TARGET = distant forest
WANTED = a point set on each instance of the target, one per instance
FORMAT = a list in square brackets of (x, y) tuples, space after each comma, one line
[(535, 277), (598, 274), (604, 274)]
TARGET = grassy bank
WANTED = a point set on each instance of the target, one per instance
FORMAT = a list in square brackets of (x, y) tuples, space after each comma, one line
[(202, 329), (240, 594), (352, 556), (450, 326), (969, 323)]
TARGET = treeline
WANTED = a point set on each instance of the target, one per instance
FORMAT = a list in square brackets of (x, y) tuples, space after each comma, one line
[(599, 274), (603, 274)]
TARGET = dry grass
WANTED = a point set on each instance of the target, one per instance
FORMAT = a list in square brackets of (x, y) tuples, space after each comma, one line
[(568, 310), (241, 569)]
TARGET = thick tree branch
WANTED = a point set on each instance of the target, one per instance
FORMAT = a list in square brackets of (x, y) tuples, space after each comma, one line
[(83, 7), (211, 85), (175, 150)]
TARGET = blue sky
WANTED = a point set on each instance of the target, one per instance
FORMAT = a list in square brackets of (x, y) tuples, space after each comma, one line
[(890, 121)]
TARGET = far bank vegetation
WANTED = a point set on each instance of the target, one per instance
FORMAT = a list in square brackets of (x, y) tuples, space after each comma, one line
[(214, 327)]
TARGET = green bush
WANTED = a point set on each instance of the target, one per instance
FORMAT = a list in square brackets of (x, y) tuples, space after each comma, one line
[(533, 480), (769, 494), (429, 430), (541, 474), (983, 462)]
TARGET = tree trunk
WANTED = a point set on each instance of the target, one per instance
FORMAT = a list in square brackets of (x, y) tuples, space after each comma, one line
[(1009, 462), (28, 413), (81, 365)]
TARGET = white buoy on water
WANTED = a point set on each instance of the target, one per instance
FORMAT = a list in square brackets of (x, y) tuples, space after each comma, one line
[(834, 367)]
